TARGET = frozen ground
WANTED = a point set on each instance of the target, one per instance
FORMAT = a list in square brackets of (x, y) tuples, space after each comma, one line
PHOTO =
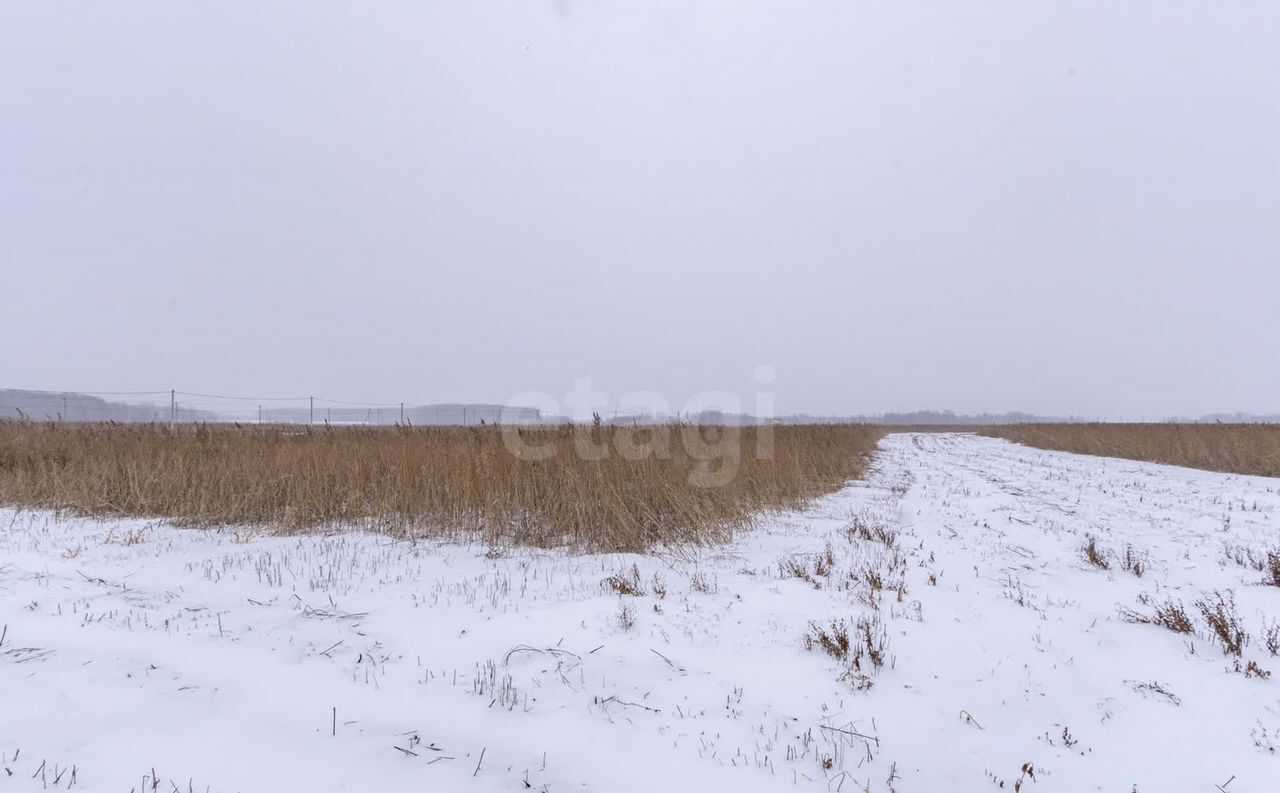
[(137, 656)]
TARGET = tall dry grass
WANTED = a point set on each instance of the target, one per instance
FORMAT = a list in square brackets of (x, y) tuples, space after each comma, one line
[(696, 487), (1232, 448)]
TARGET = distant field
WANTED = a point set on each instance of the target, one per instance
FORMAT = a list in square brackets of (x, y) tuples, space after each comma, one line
[(1233, 448), (598, 488)]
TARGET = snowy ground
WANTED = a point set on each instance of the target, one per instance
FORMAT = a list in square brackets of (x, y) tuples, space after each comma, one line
[(137, 656)]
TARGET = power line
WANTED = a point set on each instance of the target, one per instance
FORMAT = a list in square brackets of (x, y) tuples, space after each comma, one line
[(359, 404), (254, 399), (241, 398)]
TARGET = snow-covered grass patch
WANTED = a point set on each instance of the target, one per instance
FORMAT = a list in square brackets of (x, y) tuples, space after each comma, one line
[(936, 627)]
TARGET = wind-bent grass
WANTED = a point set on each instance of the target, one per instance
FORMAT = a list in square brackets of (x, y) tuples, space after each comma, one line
[(1233, 448), (697, 484)]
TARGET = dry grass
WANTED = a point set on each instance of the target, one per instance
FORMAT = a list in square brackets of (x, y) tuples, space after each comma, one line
[(1219, 612), (1169, 615), (695, 484), (1095, 555), (625, 582), (1134, 561), (1234, 448), (862, 647), (862, 528), (832, 639), (795, 567)]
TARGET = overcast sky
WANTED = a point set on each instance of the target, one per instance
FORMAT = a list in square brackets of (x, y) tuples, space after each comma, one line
[(1058, 207)]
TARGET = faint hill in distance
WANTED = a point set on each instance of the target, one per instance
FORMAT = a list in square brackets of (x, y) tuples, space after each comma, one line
[(16, 404), (70, 406)]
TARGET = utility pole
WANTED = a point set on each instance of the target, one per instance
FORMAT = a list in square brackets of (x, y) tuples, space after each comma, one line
[(401, 412), (259, 414), (173, 407), (312, 420)]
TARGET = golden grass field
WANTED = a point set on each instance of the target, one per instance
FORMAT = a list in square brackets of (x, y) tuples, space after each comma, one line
[(1232, 448), (668, 484)]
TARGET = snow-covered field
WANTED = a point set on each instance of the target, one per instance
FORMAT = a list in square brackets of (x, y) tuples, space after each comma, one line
[(142, 657)]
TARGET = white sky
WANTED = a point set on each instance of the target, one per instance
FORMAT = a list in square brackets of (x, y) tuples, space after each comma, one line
[(1058, 207)]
